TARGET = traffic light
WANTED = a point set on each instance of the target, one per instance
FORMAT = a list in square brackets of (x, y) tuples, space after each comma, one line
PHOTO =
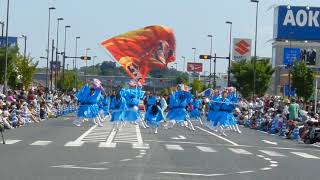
[(86, 58), (205, 57)]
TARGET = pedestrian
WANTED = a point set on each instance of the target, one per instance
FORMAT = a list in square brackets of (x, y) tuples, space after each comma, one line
[(196, 109)]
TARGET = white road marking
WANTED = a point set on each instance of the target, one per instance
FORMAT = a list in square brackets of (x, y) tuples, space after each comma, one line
[(273, 165), (179, 138), (260, 156), (305, 155), (272, 153), (139, 156), (267, 159), (100, 163), (142, 150), (85, 134), (78, 167), (228, 145), (140, 146), (265, 169), (12, 141), (316, 145), (139, 137), (206, 149), (244, 172), (233, 143), (270, 142), (74, 144), (125, 160), (190, 174), (240, 151), (174, 147), (273, 162), (40, 143), (143, 153), (108, 143)]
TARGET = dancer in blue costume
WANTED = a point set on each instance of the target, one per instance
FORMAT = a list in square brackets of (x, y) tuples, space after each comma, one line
[(177, 107), (105, 104), (213, 109), (151, 100), (196, 111), (222, 116), (154, 116), (232, 96), (133, 96), (88, 98), (117, 107)]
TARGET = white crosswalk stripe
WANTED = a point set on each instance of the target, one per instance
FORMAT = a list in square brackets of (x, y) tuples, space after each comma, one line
[(206, 149), (272, 153), (40, 143), (12, 141), (240, 151), (305, 155), (174, 147)]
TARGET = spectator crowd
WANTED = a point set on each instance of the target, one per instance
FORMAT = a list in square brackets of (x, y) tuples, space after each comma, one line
[(275, 115), (20, 108)]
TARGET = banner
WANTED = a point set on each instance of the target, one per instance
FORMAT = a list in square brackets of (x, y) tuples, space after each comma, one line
[(194, 67), (12, 41), (241, 49)]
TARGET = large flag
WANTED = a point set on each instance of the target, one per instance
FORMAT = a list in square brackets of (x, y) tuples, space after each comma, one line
[(141, 50)]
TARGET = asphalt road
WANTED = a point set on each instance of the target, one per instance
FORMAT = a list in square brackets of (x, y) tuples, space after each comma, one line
[(57, 150)]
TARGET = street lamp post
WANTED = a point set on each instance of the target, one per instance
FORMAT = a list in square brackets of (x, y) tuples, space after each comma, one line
[(184, 64), (210, 36), (93, 68), (255, 47), (75, 62), (48, 47), (194, 60), (85, 70), (229, 62), (25, 47), (176, 66), (57, 52), (64, 53), (2, 28), (6, 52)]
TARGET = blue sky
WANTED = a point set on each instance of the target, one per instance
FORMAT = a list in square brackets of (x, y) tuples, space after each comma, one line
[(97, 20)]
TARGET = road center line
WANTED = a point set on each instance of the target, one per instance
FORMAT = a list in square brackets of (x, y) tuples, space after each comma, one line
[(227, 140), (139, 137)]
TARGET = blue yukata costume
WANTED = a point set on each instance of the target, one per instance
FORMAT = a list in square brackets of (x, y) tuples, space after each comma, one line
[(195, 112), (213, 110), (232, 96), (133, 97), (118, 107), (88, 108), (154, 116), (151, 100), (177, 106), (223, 112), (105, 104)]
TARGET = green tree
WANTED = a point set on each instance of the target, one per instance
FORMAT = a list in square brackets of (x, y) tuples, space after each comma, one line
[(68, 83), (302, 79), (11, 73), (197, 86), (25, 70), (242, 71)]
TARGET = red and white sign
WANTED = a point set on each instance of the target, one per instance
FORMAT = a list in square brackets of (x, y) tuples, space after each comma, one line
[(194, 67), (241, 49)]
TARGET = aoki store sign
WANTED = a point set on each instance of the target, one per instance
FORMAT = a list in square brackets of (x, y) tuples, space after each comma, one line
[(296, 23)]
